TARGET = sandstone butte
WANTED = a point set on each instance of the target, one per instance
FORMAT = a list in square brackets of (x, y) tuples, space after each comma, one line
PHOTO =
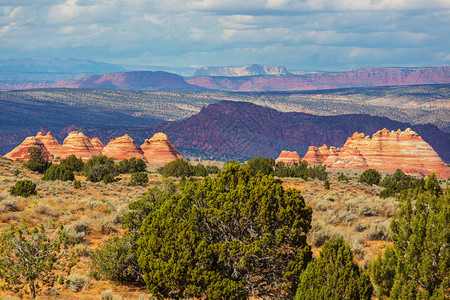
[(50, 142), (98, 145), (288, 157), (159, 150), (385, 151), (316, 155), (123, 148), (21, 151), (78, 144)]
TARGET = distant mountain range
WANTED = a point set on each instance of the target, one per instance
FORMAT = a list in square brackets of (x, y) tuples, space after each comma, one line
[(64, 72)]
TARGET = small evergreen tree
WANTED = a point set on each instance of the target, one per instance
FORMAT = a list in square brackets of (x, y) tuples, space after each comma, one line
[(417, 267), (59, 172), (326, 184), (23, 188), (177, 168), (334, 275), (37, 161), (370, 177), (97, 167), (73, 163), (29, 255), (261, 164), (398, 182), (342, 177)]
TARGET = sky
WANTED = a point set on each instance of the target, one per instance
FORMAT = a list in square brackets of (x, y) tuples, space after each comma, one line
[(327, 35)]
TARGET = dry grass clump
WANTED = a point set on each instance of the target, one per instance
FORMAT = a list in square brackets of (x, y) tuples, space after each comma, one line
[(76, 282), (9, 204), (45, 209), (78, 230), (378, 231)]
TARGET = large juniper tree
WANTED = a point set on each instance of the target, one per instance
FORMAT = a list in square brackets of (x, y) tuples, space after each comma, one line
[(230, 237)]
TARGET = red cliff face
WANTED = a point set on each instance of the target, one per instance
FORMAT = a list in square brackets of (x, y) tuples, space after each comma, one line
[(78, 144), (389, 151), (98, 145), (21, 151), (288, 157), (316, 155), (50, 142), (159, 150), (123, 148)]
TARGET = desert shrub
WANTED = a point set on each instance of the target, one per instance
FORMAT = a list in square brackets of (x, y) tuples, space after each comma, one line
[(334, 275), (23, 188), (222, 234), (326, 184), (77, 231), (212, 169), (398, 182), (76, 184), (37, 161), (107, 295), (261, 164), (342, 177), (177, 168), (108, 178), (416, 267), (360, 227), (58, 172), (73, 163), (9, 205), (180, 167), (98, 167), (200, 170), (131, 166), (76, 282), (301, 171), (117, 260), (378, 232), (370, 177), (139, 178)]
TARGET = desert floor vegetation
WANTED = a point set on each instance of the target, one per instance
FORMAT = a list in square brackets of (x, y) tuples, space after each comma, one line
[(91, 213)]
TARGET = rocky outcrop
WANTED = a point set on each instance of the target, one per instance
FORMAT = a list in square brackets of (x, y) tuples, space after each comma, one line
[(21, 151), (123, 148), (332, 157), (316, 155), (98, 145), (288, 157), (159, 150), (50, 142), (78, 144), (389, 151)]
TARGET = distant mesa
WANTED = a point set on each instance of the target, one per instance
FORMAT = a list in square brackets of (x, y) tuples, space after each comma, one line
[(159, 150), (288, 157), (78, 144), (385, 151), (250, 70), (123, 148), (21, 151)]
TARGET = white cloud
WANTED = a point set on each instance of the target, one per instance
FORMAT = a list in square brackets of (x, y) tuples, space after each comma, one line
[(325, 33)]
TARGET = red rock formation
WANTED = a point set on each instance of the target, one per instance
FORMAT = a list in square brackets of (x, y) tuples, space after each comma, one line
[(21, 151), (332, 157), (288, 157), (98, 145), (159, 150), (313, 156), (78, 144), (50, 142), (123, 148), (389, 151)]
